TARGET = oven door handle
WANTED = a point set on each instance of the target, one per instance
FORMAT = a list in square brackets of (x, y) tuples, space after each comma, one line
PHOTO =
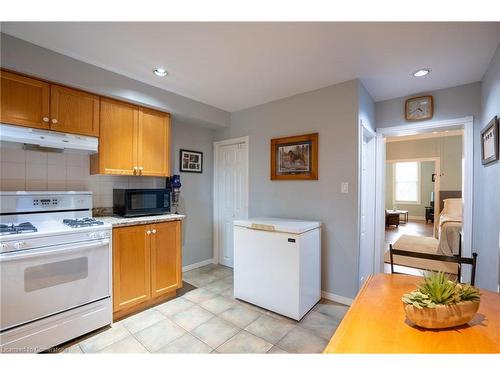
[(52, 250)]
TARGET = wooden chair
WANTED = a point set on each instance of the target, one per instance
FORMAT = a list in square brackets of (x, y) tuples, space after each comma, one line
[(443, 258)]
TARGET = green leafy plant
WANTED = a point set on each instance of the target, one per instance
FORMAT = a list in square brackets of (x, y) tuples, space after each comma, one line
[(438, 289)]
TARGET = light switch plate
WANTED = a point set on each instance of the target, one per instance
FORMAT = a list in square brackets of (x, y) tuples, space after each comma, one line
[(344, 187)]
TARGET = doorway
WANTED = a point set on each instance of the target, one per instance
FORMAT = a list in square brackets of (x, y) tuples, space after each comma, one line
[(230, 194), (416, 129), (367, 204)]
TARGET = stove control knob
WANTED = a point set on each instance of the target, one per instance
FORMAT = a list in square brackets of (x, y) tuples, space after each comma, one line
[(4, 247), (103, 235), (19, 245), (93, 235)]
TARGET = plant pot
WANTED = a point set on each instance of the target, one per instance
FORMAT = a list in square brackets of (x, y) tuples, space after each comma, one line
[(442, 316)]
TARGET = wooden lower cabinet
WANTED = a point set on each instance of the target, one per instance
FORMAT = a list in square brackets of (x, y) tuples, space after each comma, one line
[(147, 265), (166, 260)]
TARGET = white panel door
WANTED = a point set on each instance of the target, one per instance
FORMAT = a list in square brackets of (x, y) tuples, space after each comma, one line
[(367, 209), (232, 188)]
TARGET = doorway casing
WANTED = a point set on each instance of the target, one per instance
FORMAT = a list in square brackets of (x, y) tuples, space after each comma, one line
[(467, 178)]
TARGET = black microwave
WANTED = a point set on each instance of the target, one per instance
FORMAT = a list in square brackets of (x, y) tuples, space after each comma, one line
[(140, 202)]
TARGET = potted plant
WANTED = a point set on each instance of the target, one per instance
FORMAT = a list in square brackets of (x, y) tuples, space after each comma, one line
[(441, 303)]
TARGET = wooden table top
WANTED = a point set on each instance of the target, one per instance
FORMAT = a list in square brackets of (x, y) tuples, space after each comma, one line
[(376, 323)]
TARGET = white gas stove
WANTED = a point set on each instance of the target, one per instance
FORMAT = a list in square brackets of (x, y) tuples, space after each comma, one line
[(55, 269)]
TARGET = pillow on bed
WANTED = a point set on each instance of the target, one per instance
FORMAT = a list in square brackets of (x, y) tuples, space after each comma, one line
[(453, 207)]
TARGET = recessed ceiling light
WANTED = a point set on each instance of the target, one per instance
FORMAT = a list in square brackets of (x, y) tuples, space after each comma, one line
[(160, 72), (421, 72)]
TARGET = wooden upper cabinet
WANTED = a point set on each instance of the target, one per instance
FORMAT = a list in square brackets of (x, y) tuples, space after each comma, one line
[(153, 140), (117, 139), (166, 258), (131, 266), (24, 101), (74, 111)]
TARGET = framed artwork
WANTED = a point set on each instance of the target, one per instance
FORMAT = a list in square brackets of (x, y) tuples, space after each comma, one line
[(191, 161), (295, 158), (489, 142)]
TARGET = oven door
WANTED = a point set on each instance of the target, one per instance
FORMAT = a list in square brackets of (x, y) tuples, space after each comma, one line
[(42, 282)]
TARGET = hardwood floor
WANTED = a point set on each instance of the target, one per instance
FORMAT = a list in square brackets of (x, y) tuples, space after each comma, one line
[(413, 227)]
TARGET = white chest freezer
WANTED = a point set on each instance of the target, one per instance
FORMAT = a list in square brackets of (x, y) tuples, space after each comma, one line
[(277, 264)]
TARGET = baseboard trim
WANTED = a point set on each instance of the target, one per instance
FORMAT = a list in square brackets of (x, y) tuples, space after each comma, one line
[(190, 267), (336, 298)]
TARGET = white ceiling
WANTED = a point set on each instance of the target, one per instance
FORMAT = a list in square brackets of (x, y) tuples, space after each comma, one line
[(238, 65)]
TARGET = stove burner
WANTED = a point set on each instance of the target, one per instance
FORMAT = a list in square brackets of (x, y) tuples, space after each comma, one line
[(17, 228), (84, 222)]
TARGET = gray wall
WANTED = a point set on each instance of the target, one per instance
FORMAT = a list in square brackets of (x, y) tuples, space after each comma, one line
[(447, 149), (333, 113), (28, 58), (196, 192), (487, 186), (449, 103), (426, 187)]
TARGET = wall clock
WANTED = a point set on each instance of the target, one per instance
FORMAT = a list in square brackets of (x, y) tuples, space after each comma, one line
[(419, 108)]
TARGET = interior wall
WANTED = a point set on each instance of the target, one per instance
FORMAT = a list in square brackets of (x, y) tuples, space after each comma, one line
[(333, 113), (415, 211), (486, 236), (448, 149), (196, 191)]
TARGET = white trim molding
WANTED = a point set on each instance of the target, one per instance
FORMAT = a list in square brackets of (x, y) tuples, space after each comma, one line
[(193, 266), (336, 298), (465, 123), (215, 190)]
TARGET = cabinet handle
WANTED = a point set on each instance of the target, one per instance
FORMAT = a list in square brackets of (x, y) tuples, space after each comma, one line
[(54, 121), (135, 170), (45, 119), (148, 232), (154, 231), (141, 168)]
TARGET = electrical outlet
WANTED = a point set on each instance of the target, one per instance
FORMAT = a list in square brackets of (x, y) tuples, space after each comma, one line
[(344, 187)]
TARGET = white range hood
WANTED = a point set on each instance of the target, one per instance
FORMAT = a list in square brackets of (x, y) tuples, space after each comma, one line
[(47, 138)]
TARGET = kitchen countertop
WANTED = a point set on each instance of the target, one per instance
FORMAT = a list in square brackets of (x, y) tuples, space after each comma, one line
[(117, 221)]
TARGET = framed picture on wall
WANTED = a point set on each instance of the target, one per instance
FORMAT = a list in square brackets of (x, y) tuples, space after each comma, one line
[(295, 158), (489, 142), (191, 161)]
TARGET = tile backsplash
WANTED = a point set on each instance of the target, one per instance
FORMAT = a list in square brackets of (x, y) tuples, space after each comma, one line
[(34, 170)]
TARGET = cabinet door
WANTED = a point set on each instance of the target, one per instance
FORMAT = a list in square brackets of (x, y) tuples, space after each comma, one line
[(74, 111), (131, 266), (117, 140), (166, 258), (153, 138), (24, 101)]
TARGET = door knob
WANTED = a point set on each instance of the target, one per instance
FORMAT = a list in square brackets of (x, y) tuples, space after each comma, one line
[(148, 232), (54, 121), (154, 231)]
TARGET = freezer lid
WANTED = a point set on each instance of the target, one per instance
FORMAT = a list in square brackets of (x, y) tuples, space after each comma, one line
[(278, 224)]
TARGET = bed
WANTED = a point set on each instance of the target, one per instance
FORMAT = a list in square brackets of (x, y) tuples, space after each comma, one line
[(449, 227)]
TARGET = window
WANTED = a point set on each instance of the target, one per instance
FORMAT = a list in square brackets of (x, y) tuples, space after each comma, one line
[(407, 182)]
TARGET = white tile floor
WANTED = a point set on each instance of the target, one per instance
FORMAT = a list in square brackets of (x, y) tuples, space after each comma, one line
[(210, 320)]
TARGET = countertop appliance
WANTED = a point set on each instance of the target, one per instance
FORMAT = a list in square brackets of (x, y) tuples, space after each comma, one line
[(55, 269), (140, 202), (277, 264)]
